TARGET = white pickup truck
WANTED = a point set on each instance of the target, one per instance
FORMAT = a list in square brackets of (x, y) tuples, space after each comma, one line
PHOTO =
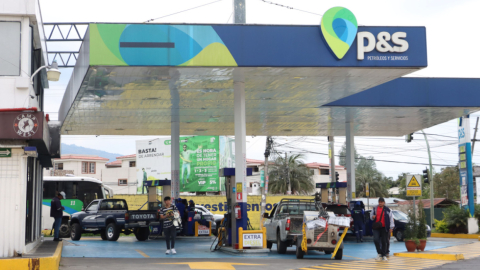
[(284, 227)]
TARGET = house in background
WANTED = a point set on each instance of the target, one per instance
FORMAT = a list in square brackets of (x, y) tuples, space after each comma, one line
[(121, 175), (78, 165), (321, 172)]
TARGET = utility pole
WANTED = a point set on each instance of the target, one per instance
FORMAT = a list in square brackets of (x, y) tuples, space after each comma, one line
[(475, 136), (331, 155), (431, 180), (264, 188), (289, 191)]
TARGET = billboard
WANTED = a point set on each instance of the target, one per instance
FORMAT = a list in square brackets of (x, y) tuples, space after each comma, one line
[(153, 162)]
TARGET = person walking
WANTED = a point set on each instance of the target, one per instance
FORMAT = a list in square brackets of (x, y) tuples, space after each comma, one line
[(56, 211), (169, 230), (383, 225), (358, 215)]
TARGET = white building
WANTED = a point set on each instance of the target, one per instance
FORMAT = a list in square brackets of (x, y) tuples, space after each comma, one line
[(78, 165), (28, 141), (121, 175)]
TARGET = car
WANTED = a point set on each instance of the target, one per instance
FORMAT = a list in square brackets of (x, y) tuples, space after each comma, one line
[(214, 218), (340, 210), (401, 220)]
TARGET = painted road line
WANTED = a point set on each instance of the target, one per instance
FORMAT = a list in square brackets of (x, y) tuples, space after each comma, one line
[(431, 256), (451, 235), (353, 257), (212, 265), (142, 253)]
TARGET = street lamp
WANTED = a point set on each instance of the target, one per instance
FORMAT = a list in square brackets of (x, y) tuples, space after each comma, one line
[(53, 74)]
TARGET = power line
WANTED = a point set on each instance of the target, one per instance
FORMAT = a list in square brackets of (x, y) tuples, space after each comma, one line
[(151, 20), (292, 8)]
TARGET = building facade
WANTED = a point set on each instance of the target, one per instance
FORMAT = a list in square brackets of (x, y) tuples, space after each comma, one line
[(78, 165), (28, 140)]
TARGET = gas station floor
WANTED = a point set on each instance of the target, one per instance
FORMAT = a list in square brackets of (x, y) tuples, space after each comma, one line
[(129, 247)]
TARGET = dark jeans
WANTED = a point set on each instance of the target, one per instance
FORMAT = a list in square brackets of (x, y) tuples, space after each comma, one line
[(170, 234), (380, 237), (57, 224)]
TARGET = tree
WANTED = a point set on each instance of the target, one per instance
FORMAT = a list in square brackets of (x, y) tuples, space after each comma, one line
[(366, 172), (300, 176), (446, 183), (343, 155)]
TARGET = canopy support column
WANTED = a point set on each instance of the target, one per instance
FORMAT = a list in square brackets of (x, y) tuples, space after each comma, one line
[(350, 161)]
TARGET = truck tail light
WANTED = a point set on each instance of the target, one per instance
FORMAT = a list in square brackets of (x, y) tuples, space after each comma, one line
[(127, 216), (334, 242), (287, 225)]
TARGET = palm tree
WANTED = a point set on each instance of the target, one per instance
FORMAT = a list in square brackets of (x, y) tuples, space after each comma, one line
[(300, 176), (366, 172)]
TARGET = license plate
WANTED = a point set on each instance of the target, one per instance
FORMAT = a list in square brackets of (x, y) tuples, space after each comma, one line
[(142, 223)]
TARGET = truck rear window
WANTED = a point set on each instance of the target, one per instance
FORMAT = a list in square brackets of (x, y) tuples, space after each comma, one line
[(296, 209), (338, 209)]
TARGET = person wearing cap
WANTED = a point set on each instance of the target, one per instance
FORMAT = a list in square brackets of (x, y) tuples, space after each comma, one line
[(56, 211), (191, 205), (383, 225)]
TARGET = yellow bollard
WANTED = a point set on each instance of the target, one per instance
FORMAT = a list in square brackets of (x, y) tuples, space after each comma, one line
[(196, 229), (240, 238), (264, 237), (345, 230)]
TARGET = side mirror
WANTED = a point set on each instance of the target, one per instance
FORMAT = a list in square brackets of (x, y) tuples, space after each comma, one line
[(265, 215)]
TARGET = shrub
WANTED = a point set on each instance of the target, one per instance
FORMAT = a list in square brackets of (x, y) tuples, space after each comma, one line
[(457, 219), (422, 222), (411, 228), (441, 226)]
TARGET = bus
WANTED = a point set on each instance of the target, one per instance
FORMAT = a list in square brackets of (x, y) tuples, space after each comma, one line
[(79, 191)]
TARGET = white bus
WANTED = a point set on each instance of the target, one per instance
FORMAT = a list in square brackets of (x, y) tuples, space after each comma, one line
[(79, 191)]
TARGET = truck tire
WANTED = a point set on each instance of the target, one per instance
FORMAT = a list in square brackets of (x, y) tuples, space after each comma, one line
[(142, 233), (103, 234), (399, 235), (76, 232), (64, 231), (281, 245), (112, 232), (299, 251), (339, 254)]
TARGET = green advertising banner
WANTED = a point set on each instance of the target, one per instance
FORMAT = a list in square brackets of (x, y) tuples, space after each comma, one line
[(199, 164)]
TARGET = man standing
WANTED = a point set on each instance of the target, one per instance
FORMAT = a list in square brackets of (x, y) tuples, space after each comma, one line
[(144, 181), (359, 221), (56, 211), (186, 157), (383, 225), (169, 230)]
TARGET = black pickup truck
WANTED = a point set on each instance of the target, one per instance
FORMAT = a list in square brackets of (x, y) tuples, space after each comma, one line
[(110, 217)]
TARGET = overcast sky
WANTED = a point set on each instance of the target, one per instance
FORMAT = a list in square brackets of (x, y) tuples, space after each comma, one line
[(451, 41)]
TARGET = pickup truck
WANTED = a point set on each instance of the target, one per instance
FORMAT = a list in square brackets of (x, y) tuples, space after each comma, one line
[(284, 227), (110, 217)]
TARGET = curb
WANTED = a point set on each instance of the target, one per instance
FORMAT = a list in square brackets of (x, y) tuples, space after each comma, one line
[(451, 235), (44, 263), (432, 256)]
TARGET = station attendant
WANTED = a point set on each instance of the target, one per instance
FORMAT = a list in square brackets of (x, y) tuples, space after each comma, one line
[(56, 211), (382, 226), (358, 215), (167, 214)]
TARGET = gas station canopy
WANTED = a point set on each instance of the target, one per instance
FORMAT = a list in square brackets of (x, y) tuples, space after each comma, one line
[(133, 79)]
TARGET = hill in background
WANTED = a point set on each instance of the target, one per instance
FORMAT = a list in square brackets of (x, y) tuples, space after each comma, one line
[(78, 150)]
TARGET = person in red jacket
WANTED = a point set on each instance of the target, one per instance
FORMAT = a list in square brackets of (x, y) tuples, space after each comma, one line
[(383, 215)]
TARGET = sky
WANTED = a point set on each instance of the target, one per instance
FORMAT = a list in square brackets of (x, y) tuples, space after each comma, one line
[(450, 43)]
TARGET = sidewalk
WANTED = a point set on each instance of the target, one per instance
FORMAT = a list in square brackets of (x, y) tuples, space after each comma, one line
[(45, 256)]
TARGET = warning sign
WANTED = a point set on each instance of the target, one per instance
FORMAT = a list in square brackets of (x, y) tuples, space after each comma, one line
[(413, 182), (414, 186)]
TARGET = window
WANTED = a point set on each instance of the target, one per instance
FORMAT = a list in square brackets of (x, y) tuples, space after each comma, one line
[(113, 205), (122, 182), (324, 171), (93, 207), (92, 167), (132, 164), (88, 167), (58, 166), (84, 167), (296, 209), (10, 49), (49, 189)]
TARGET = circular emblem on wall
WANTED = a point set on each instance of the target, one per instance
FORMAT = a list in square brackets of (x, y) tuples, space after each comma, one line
[(25, 125)]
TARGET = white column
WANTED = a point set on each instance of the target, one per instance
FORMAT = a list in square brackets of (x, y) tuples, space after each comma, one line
[(350, 160)]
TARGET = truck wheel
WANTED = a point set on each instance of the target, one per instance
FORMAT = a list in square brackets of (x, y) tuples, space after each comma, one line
[(103, 234), (112, 232), (142, 233), (281, 246), (64, 231), (269, 245), (300, 252), (76, 232), (399, 236), (339, 254)]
